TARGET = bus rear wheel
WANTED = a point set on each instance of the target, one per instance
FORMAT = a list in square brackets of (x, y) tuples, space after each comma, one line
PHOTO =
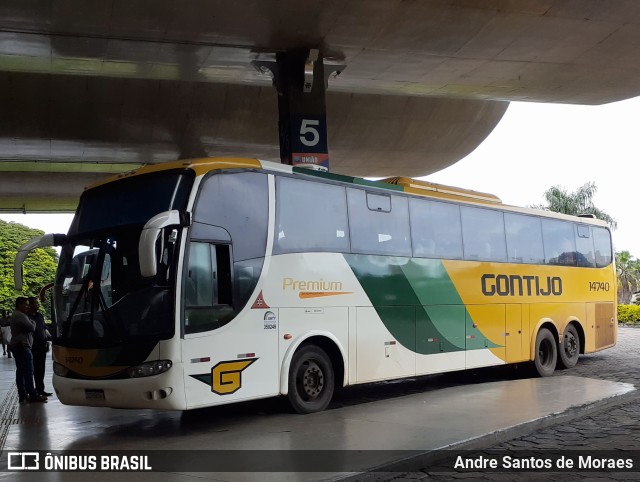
[(569, 348), (546, 353), (311, 380)]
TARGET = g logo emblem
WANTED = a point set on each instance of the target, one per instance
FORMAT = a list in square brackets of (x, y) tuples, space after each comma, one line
[(227, 376)]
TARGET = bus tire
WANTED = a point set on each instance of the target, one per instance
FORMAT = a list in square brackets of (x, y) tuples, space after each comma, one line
[(311, 380), (546, 353), (569, 348)]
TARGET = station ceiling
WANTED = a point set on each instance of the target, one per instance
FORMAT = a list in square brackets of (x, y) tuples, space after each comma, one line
[(89, 89)]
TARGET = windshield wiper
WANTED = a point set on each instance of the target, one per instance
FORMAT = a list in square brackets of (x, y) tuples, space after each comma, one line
[(91, 289), (98, 296), (72, 311)]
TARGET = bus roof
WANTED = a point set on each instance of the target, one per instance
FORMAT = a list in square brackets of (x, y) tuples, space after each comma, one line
[(398, 184)]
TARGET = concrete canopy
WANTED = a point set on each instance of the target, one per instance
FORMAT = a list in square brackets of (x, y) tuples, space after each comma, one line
[(92, 88)]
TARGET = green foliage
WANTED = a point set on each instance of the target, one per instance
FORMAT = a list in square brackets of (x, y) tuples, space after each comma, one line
[(39, 267), (629, 314), (628, 271), (574, 203)]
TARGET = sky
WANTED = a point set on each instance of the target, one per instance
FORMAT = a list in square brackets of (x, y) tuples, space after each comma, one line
[(534, 147)]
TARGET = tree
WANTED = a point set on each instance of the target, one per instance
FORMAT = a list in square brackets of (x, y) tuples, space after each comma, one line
[(575, 203), (628, 271), (39, 267)]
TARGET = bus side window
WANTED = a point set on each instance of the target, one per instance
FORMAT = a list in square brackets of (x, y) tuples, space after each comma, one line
[(435, 229), (584, 246), (524, 239), (207, 287), (310, 217), (559, 242), (379, 224), (602, 245), (483, 234)]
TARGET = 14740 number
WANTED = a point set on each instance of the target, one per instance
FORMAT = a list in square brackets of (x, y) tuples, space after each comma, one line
[(599, 286)]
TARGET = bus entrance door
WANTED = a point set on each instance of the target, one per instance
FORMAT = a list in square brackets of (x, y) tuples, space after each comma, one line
[(234, 363)]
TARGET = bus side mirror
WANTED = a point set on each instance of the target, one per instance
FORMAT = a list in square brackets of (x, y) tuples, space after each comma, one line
[(43, 241), (150, 234)]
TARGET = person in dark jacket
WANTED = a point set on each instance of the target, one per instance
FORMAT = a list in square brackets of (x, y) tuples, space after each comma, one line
[(22, 328), (39, 347)]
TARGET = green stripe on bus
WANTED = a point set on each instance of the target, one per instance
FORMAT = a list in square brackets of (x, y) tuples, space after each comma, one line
[(440, 300), (417, 302)]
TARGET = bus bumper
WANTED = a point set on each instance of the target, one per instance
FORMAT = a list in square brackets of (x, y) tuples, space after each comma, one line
[(161, 392)]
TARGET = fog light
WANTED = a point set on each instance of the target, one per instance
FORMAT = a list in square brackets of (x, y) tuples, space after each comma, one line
[(159, 394)]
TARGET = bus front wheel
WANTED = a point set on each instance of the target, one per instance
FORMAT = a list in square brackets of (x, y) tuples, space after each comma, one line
[(311, 380), (569, 348), (546, 353)]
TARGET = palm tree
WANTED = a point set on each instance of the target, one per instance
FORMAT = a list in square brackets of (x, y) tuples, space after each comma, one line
[(575, 203), (628, 270)]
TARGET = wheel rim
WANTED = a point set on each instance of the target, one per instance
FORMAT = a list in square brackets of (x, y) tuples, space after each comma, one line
[(570, 345), (310, 380), (545, 351)]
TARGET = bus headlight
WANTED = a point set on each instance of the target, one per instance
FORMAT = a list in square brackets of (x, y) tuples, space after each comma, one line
[(150, 368), (60, 370)]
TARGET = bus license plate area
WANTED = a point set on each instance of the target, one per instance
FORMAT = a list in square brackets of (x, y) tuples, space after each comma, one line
[(94, 395)]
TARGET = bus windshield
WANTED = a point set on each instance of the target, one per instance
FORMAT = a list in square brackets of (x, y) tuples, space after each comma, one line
[(131, 201), (100, 297)]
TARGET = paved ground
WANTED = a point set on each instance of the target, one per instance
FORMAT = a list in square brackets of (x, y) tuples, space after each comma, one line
[(612, 425), (355, 436), (613, 428)]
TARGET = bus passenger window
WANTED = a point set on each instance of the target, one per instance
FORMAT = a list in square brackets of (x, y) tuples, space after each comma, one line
[(559, 242), (379, 224), (524, 239), (584, 246), (602, 245), (310, 216), (435, 229), (483, 234)]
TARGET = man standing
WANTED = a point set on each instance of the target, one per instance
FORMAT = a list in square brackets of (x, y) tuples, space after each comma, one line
[(39, 348), (22, 329)]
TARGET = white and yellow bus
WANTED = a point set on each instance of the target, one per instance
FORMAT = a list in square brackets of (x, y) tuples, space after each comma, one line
[(213, 281)]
